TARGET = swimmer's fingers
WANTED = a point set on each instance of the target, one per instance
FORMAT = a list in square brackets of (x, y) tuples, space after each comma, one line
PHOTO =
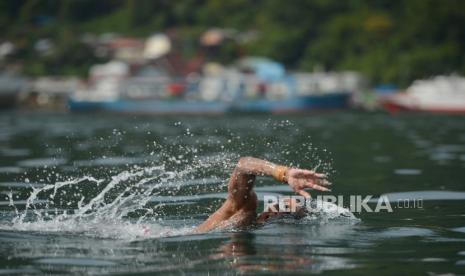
[(317, 187), (319, 178), (320, 175), (324, 182), (313, 174)]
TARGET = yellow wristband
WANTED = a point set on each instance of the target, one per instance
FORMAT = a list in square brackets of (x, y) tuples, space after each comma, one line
[(279, 173)]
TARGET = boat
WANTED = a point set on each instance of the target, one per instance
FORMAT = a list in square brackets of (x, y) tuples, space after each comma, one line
[(293, 105), (155, 106), (441, 95), (10, 87), (237, 102), (267, 88), (48, 93)]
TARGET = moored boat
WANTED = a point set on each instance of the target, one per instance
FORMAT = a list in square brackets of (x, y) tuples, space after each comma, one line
[(442, 94), (268, 89), (10, 87), (177, 106)]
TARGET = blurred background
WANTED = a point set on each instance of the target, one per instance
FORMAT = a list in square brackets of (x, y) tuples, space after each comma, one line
[(232, 56)]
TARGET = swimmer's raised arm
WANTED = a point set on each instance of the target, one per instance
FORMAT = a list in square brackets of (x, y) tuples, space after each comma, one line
[(241, 203), (297, 179)]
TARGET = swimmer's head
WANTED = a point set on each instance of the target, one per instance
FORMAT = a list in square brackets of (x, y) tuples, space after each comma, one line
[(295, 210)]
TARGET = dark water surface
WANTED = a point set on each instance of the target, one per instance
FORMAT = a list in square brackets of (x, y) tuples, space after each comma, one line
[(104, 194)]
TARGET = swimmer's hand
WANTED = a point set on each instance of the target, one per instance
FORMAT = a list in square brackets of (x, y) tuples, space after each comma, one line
[(299, 180)]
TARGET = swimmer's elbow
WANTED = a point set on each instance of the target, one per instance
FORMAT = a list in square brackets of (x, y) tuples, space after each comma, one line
[(243, 165)]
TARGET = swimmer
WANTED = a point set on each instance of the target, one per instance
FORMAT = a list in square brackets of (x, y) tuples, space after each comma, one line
[(240, 208)]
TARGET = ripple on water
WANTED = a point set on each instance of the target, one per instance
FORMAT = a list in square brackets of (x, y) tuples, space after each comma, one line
[(400, 232), (433, 260), (407, 171), (424, 195), (115, 230), (22, 202), (41, 162), (15, 152), (20, 271), (21, 185), (459, 229), (382, 159), (450, 148), (274, 188), (75, 262), (11, 169), (442, 153)]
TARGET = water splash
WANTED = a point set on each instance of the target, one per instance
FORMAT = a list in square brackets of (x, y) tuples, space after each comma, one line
[(324, 211), (116, 200), (107, 214)]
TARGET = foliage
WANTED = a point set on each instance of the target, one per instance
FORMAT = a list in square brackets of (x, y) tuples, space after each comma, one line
[(389, 41)]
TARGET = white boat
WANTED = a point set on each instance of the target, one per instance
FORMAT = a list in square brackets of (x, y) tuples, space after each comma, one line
[(442, 94)]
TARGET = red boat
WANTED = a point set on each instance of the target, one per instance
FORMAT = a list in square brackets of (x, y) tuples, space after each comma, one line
[(444, 95)]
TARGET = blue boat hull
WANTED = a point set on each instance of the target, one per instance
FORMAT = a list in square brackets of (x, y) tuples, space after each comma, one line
[(296, 104)]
